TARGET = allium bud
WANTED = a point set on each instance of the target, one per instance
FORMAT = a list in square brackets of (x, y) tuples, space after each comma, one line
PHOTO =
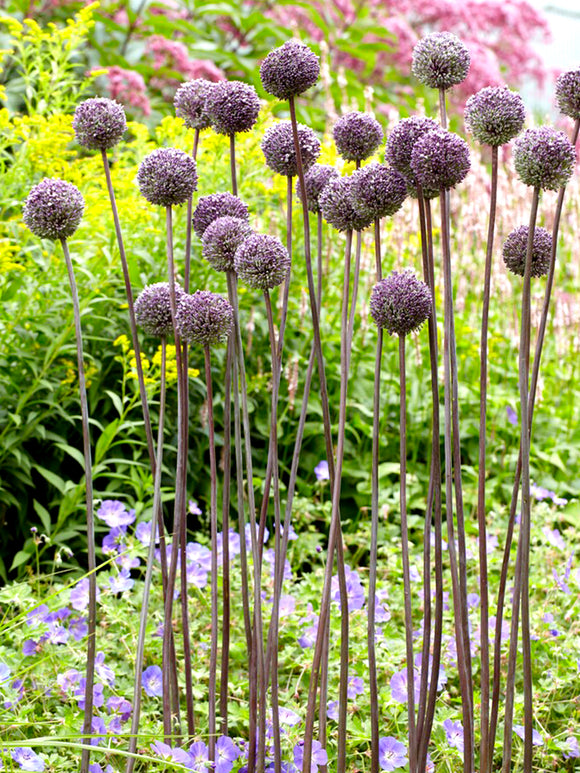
[(232, 107), (204, 318), (278, 148), (316, 179), (167, 177), (357, 135), (516, 245), (378, 191), (440, 160), (289, 70), (53, 209), (337, 206), (440, 60), (262, 262), (544, 158), (568, 93), (99, 123), (153, 308), (222, 238), (209, 208), (190, 103), (400, 303), (495, 115)]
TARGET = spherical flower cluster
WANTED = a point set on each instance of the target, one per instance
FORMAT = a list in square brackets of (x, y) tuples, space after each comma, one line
[(516, 245), (357, 135), (232, 107), (338, 209), (495, 115), (568, 93), (222, 238), (378, 191), (167, 177), (190, 103), (209, 208), (204, 318), (402, 139), (289, 70), (316, 179), (279, 151), (440, 160), (53, 209), (400, 303), (153, 308), (262, 262), (544, 158), (440, 60), (99, 123)]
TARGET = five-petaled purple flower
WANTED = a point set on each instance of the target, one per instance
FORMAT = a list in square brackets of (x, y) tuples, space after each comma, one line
[(321, 471), (226, 753), (392, 753), (319, 756), (454, 734), (27, 759), (537, 739), (152, 681)]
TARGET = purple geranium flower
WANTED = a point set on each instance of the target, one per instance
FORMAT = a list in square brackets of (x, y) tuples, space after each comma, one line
[(319, 756), (454, 734), (226, 753), (103, 671), (354, 588), (113, 513), (321, 471), (399, 686), (152, 681), (120, 706), (537, 739), (332, 710), (355, 686), (512, 416), (392, 753), (170, 754), (114, 541), (27, 759), (121, 582), (193, 508), (573, 749), (198, 752), (98, 697), (143, 533), (79, 595), (288, 717)]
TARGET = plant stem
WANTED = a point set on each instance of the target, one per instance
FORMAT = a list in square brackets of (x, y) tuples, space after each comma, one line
[(226, 603), (233, 164)]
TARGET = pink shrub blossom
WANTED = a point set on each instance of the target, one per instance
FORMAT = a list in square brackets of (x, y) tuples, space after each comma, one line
[(128, 87), (172, 55)]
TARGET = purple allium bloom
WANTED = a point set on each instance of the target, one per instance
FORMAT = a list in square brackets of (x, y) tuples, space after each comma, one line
[(454, 734), (537, 739), (319, 756), (337, 206), (190, 103), (544, 158), (378, 191), (99, 123), (440, 60), (204, 318), (392, 753), (316, 179), (568, 93), (232, 107), (53, 209), (280, 153), (357, 135), (400, 303), (289, 70), (573, 749), (27, 759), (512, 416), (440, 160), (209, 208), (495, 115), (152, 681), (113, 513), (321, 471), (143, 533), (153, 308), (262, 262), (79, 595), (399, 149), (222, 238), (167, 177), (226, 753), (516, 245), (199, 754)]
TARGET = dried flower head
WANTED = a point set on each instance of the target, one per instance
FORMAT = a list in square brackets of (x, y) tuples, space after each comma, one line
[(53, 209), (440, 160), (316, 179), (232, 107), (153, 308), (337, 206), (262, 262), (357, 135), (400, 303), (99, 123), (190, 103), (440, 60), (544, 158), (495, 115), (209, 208), (222, 238), (378, 191), (289, 70), (568, 93), (280, 153), (204, 318), (516, 245), (167, 177)]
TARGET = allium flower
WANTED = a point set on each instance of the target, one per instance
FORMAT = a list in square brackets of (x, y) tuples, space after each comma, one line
[(337, 206), (402, 139), (190, 103), (537, 739), (357, 135), (222, 238), (440, 160), (568, 93), (495, 115), (27, 759), (454, 734), (321, 471), (289, 70), (544, 158), (53, 209), (319, 756), (167, 177), (232, 107), (209, 208), (516, 245), (99, 123), (204, 318), (392, 753), (378, 191), (400, 303), (152, 681), (316, 179), (153, 308), (262, 262), (279, 151), (440, 60)]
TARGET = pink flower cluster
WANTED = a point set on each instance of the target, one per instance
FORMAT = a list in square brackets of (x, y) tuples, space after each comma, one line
[(128, 87), (172, 55)]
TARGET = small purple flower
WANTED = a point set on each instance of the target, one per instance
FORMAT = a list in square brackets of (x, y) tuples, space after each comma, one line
[(143, 533), (553, 537), (288, 717), (113, 513), (199, 754), (103, 671), (321, 471), (392, 753), (399, 686), (120, 706), (98, 730), (319, 756), (4, 672), (332, 710), (152, 681), (121, 582), (114, 541), (573, 748), (193, 508), (537, 739), (287, 605), (512, 416), (355, 687), (170, 754), (79, 595), (226, 753), (354, 588), (98, 697), (454, 734), (27, 759)]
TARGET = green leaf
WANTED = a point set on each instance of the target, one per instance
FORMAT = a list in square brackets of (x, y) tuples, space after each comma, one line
[(43, 514)]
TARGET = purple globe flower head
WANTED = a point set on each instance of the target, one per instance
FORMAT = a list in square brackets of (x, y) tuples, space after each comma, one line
[(27, 759), (152, 681), (400, 303), (568, 93), (316, 179), (440, 60), (515, 249), (537, 739), (454, 734), (167, 177), (357, 135), (209, 208), (153, 308), (378, 191), (280, 153), (289, 70), (226, 753), (190, 103), (262, 262), (337, 206), (392, 753), (440, 160), (495, 115), (222, 238), (204, 318), (53, 209), (319, 756), (544, 158), (232, 107), (99, 123), (400, 144), (321, 471)]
